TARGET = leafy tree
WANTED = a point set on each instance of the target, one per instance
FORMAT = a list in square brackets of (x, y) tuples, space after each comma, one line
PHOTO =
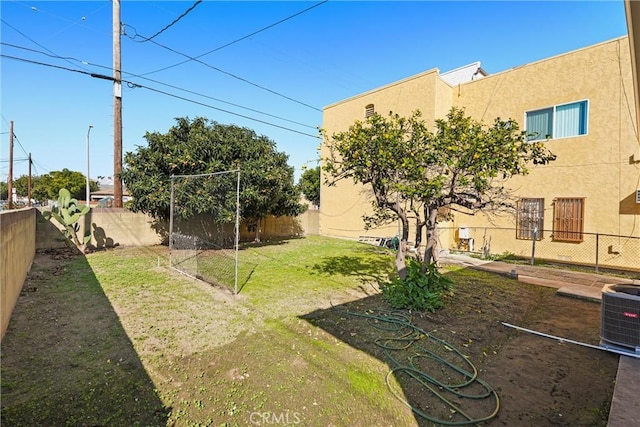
[(414, 173), (310, 185), (21, 185), (48, 186), (202, 146), (73, 181), (4, 190), (42, 188)]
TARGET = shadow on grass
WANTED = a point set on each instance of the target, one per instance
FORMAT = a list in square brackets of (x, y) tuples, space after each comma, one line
[(359, 265), (273, 241), (66, 358), (427, 374)]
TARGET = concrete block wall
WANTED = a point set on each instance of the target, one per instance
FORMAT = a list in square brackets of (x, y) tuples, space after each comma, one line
[(109, 227), (120, 227), (17, 250)]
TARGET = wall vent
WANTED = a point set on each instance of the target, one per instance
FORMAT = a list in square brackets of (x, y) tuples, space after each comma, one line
[(638, 195), (621, 316)]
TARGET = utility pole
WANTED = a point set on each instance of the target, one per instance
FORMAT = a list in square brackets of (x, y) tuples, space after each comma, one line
[(29, 184), (117, 108), (88, 183), (10, 178)]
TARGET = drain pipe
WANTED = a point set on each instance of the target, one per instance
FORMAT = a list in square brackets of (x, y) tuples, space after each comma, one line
[(610, 349)]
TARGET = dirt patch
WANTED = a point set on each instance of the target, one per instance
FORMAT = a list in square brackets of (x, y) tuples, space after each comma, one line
[(538, 381)]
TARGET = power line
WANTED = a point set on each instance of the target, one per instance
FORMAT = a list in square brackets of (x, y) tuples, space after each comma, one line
[(164, 84), (20, 144), (226, 111), (57, 66), (44, 168), (195, 58), (33, 41), (227, 102), (105, 77), (186, 12), (71, 22), (15, 137), (161, 83), (51, 54), (237, 40), (20, 160), (234, 76), (208, 65)]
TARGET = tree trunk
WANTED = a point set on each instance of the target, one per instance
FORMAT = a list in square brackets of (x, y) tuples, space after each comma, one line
[(257, 236), (431, 250), (401, 255), (401, 259), (418, 237), (383, 202)]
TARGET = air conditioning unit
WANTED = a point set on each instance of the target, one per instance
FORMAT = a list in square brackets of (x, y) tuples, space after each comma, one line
[(621, 316), (638, 195)]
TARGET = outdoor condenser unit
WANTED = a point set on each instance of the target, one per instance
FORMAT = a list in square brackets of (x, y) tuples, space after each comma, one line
[(621, 316)]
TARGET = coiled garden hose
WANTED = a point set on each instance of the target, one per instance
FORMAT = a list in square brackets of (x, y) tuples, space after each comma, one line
[(409, 336)]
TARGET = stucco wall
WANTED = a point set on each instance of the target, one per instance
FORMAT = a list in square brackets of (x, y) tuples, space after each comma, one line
[(17, 249), (108, 227), (599, 166), (347, 202), (111, 227), (310, 222)]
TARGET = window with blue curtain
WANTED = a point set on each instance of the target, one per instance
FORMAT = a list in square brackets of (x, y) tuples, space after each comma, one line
[(540, 124), (560, 121), (571, 120)]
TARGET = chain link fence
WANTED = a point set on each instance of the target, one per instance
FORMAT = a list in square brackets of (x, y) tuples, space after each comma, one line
[(204, 227), (600, 251)]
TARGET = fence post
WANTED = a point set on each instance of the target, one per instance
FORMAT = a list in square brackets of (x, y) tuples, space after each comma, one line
[(597, 250), (533, 246)]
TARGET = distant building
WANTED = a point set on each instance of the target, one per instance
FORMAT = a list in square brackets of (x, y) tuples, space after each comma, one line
[(104, 196)]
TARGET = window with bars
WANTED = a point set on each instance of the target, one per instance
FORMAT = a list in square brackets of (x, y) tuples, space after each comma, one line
[(530, 219), (568, 219), (369, 110), (559, 121)]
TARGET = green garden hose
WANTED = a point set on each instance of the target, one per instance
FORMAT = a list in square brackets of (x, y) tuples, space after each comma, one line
[(424, 346)]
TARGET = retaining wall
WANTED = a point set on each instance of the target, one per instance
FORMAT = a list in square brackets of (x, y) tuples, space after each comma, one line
[(17, 249)]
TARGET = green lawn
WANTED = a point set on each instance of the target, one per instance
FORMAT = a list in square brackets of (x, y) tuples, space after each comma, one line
[(209, 357)]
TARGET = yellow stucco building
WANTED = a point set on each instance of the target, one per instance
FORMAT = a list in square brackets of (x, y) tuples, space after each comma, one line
[(584, 206)]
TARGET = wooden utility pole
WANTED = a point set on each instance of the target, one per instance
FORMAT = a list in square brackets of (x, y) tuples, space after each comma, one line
[(29, 184), (117, 108), (10, 178)]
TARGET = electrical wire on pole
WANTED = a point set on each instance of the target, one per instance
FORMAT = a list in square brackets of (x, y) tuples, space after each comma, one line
[(10, 178)]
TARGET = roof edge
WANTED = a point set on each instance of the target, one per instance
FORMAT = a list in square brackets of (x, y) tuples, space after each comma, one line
[(388, 85)]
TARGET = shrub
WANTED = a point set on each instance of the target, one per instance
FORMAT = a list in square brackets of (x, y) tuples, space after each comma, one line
[(418, 291)]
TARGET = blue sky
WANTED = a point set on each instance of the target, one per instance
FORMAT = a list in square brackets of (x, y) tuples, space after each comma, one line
[(283, 75)]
